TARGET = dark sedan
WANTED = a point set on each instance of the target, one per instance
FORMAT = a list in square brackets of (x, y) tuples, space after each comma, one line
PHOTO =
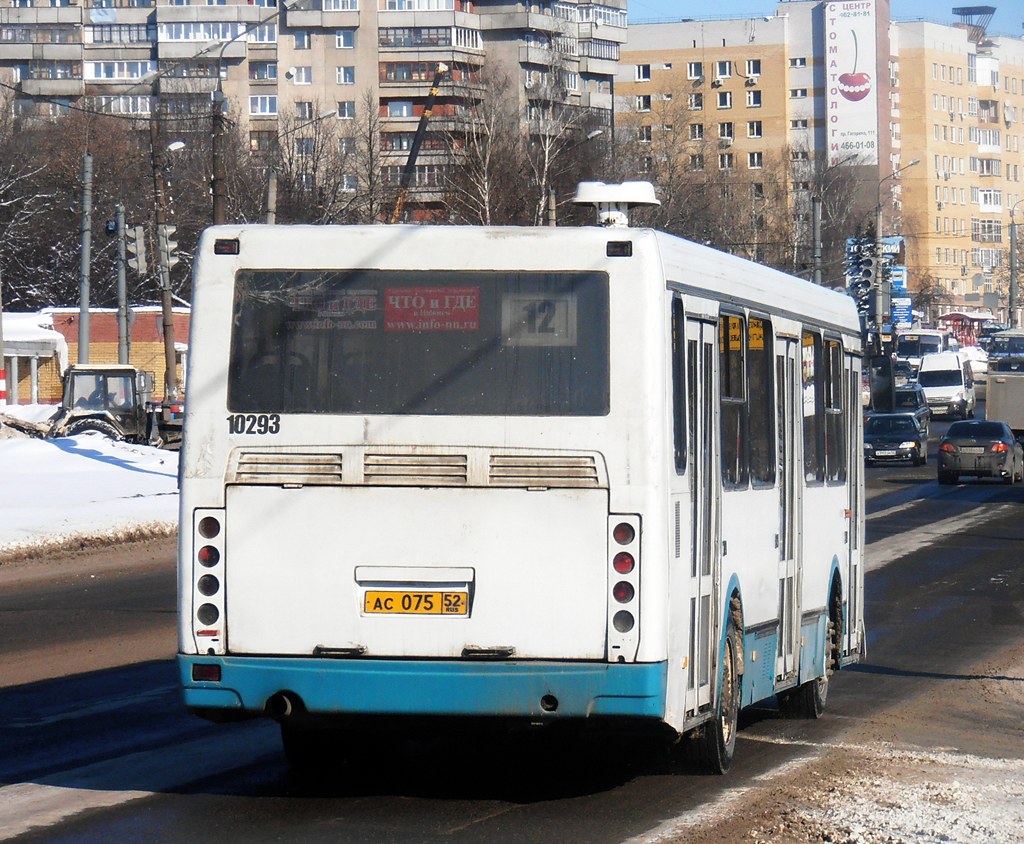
[(983, 449), (894, 438)]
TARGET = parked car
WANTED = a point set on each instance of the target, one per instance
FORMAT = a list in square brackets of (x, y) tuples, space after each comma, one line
[(894, 438), (981, 448)]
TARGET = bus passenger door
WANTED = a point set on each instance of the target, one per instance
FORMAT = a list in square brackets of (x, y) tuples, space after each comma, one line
[(854, 540), (787, 380), (701, 355)]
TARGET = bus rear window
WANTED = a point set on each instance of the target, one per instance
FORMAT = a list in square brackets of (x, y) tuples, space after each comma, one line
[(409, 342)]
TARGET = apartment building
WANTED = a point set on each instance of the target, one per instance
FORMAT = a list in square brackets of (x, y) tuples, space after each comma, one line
[(273, 67), (963, 123), (844, 88)]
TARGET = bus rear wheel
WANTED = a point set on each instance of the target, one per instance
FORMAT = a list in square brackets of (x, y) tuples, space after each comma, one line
[(713, 746)]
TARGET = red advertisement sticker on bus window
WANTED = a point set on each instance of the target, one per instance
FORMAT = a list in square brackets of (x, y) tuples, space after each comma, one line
[(432, 309)]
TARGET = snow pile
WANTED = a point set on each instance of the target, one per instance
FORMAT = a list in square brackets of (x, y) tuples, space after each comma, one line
[(902, 796), (76, 491)]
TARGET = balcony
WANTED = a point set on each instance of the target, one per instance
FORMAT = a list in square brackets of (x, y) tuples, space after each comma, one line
[(41, 16), (599, 67), (603, 32), (526, 20), (533, 54), (191, 85), (322, 19), (10, 51), (53, 87)]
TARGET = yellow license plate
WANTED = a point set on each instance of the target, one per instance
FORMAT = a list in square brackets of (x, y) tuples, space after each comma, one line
[(416, 603)]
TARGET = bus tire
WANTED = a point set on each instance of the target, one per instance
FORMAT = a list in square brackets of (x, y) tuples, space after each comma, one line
[(715, 742), (94, 426), (805, 701)]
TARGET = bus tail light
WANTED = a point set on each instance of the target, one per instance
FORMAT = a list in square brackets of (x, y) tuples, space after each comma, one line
[(623, 575), (207, 576)]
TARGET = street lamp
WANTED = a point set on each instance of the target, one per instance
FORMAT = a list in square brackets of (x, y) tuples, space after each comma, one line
[(881, 291), (1012, 301), (163, 257)]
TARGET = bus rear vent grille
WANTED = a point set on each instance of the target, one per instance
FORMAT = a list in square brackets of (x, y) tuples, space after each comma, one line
[(521, 470), (278, 468), (416, 469)]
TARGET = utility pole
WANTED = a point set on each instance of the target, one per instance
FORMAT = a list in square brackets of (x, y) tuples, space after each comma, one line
[(83, 271), (271, 197), (878, 294), (218, 178), (164, 271), (1012, 300), (122, 289), (816, 235)]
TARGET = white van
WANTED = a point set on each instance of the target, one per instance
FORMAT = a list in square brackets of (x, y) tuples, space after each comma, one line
[(948, 384)]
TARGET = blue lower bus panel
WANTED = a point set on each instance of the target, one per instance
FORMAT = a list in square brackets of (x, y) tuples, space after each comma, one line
[(393, 687)]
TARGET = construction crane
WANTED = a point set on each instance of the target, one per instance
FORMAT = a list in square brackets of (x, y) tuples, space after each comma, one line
[(414, 151)]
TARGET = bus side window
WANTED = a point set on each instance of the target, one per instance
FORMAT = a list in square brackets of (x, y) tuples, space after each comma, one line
[(678, 384), (813, 401), (760, 400), (835, 434), (733, 399)]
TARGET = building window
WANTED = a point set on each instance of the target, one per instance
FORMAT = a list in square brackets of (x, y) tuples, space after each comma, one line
[(643, 102), (304, 147), (347, 146), (303, 76), (723, 70), (695, 70), (304, 111), (755, 160), (798, 61), (345, 75), (753, 99), (753, 67), (643, 134), (754, 129), (262, 140), (262, 71), (302, 40), (695, 102), (643, 73), (345, 39), (797, 93), (262, 106), (726, 130), (400, 108), (697, 162), (346, 109), (798, 124), (725, 161), (696, 131), (799, 155), (725, 99)]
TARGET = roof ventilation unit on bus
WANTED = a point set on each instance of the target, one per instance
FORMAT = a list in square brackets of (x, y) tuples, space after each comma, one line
[(614, 201)]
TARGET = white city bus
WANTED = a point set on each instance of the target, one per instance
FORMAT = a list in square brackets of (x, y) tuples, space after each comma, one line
[(551, 475)]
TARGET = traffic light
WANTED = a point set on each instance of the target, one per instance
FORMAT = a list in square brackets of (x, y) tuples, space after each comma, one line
[(135, 242), (168, 247)]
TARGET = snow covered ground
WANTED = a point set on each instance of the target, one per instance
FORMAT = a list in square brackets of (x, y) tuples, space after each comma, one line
[(80, 490)]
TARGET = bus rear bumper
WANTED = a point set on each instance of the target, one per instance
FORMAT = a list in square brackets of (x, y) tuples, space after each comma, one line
[(409, 687)]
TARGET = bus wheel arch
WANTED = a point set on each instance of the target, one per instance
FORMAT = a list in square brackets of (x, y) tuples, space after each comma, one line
[(712, 746), (808, 699)]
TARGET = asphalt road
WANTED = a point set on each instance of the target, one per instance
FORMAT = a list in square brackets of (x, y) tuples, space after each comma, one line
[(96, 746)]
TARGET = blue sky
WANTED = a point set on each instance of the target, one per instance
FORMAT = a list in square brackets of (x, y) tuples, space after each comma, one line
[(1007, 20)]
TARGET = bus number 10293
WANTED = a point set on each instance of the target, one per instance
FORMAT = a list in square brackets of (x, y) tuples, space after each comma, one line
[(254, 423)]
